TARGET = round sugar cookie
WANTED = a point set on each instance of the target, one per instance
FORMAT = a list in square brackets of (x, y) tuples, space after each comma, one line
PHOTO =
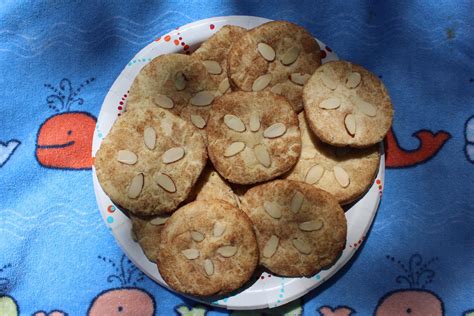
[(344, 172), (346, 105), (149, 161), (276, 56), (207, 248), (253, 136), (300, 229)]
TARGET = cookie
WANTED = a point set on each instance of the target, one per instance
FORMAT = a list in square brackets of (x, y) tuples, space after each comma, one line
[(213, 53), (207, 248), (147, 232), (150, 160), (344, 172), (276, 56), (253, 136), (178, 83), (346, 105), (211, 186), (300, 229)]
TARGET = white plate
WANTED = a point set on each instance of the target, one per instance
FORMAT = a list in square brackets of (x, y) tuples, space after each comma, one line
[(268, 290)]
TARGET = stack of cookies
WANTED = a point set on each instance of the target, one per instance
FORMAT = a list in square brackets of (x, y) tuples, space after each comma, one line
[(288, 140)]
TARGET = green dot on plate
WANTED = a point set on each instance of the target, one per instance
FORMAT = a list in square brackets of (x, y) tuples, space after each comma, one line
[(110, 219)]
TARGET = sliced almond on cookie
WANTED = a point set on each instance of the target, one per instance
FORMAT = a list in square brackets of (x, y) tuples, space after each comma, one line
[(261, 82), (191, 253), (202, 98), (299, 78), (266, 51), (163, 101), (270, 247), (224, 86), (227, 251), (277, 89), (311, 225), (350, 123), (159, 220), (275, 130), (208, 267), (173, 154), (212, 67), (353, 80), (314, 174), (165, 182), (341, 176), (254, 122), (218, 229), (330, 103), (197, 236), (234, 123), (234, 149), (198, 121), (136, 186), (127, 157), (272, 209), (290, 56), (296, 202), (365, 107), (149, 137), (302, 246), (179, 81), (262, 155), (328, 82)]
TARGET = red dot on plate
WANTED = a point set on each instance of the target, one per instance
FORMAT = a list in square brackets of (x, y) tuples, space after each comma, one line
[(120, 108), (212, 26), (355, 245), (183, 43), (323, 54), (121, 102), (328, 49), (380, 187), (262, 277), (186, 47), (118, 114), (378, 181), (180, 38)]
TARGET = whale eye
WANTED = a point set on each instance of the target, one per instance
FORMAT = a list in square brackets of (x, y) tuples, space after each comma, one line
[(408, 310), (120, 308), (69, 132)]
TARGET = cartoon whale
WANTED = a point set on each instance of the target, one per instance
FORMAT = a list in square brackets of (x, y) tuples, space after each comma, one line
[(123, 302), (64, 141), (430, 144)]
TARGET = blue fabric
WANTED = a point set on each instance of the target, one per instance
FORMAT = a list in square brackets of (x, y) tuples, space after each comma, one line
[(57, 254)]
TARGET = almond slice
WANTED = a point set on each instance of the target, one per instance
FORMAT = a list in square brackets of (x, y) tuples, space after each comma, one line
[(275, 130), (179, 81), (163, 101), (350, 123), (197, 236), (314, 174), (270, 247), (173, 154), (202, 98), (266, 51), (135, 186), (353, 80), (308, 152), (302, 246), (159, 220), (261, 82), (234, 123), (190, 253), (218, 229), (224, 86), (363, 106), (299, 78), (330, 103), (296, 202), (277, 89), (165, 182), (234, 149), (227, 251), (254, 122), (341, 176), (212, 67), (208, 267), (149, 137), (290, 56), (262, 155), (311, 225), (127, 157), (198, 121), (328, 81), (272, 209)]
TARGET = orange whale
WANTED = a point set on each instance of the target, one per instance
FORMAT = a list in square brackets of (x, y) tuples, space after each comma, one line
[(64, 141)]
